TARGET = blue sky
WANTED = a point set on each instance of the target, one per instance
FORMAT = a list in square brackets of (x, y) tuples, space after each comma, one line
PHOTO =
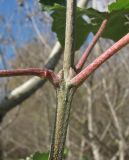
[(15, 17), (16, 27)]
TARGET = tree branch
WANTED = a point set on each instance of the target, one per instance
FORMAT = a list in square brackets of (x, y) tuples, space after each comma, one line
[(69, 37), (91, 45), (83, 75), (90, 120), (42, 73), (121, 144), (64, 94), (24, 91)]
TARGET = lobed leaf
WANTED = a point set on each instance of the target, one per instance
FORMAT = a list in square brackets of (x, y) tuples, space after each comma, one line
[(89, 20), (118, 25), (83, 27)]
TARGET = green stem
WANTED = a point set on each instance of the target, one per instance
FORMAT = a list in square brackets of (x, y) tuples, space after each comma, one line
[(64, 93), (64, 98), (69, 38)]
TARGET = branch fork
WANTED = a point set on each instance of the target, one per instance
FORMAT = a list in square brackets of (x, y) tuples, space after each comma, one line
[(75, 77), (84, 74)]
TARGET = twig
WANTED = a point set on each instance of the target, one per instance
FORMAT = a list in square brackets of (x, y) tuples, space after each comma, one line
[(117, 125), (91, 45), (42, 73), (95, 148), (69, 37), (84, 74)]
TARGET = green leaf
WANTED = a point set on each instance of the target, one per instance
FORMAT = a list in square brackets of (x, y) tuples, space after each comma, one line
[(118, 24), (83, 28), (66, 151), (117, 27), (45, 156), (47, 4), (40, 156), (119, 5)]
